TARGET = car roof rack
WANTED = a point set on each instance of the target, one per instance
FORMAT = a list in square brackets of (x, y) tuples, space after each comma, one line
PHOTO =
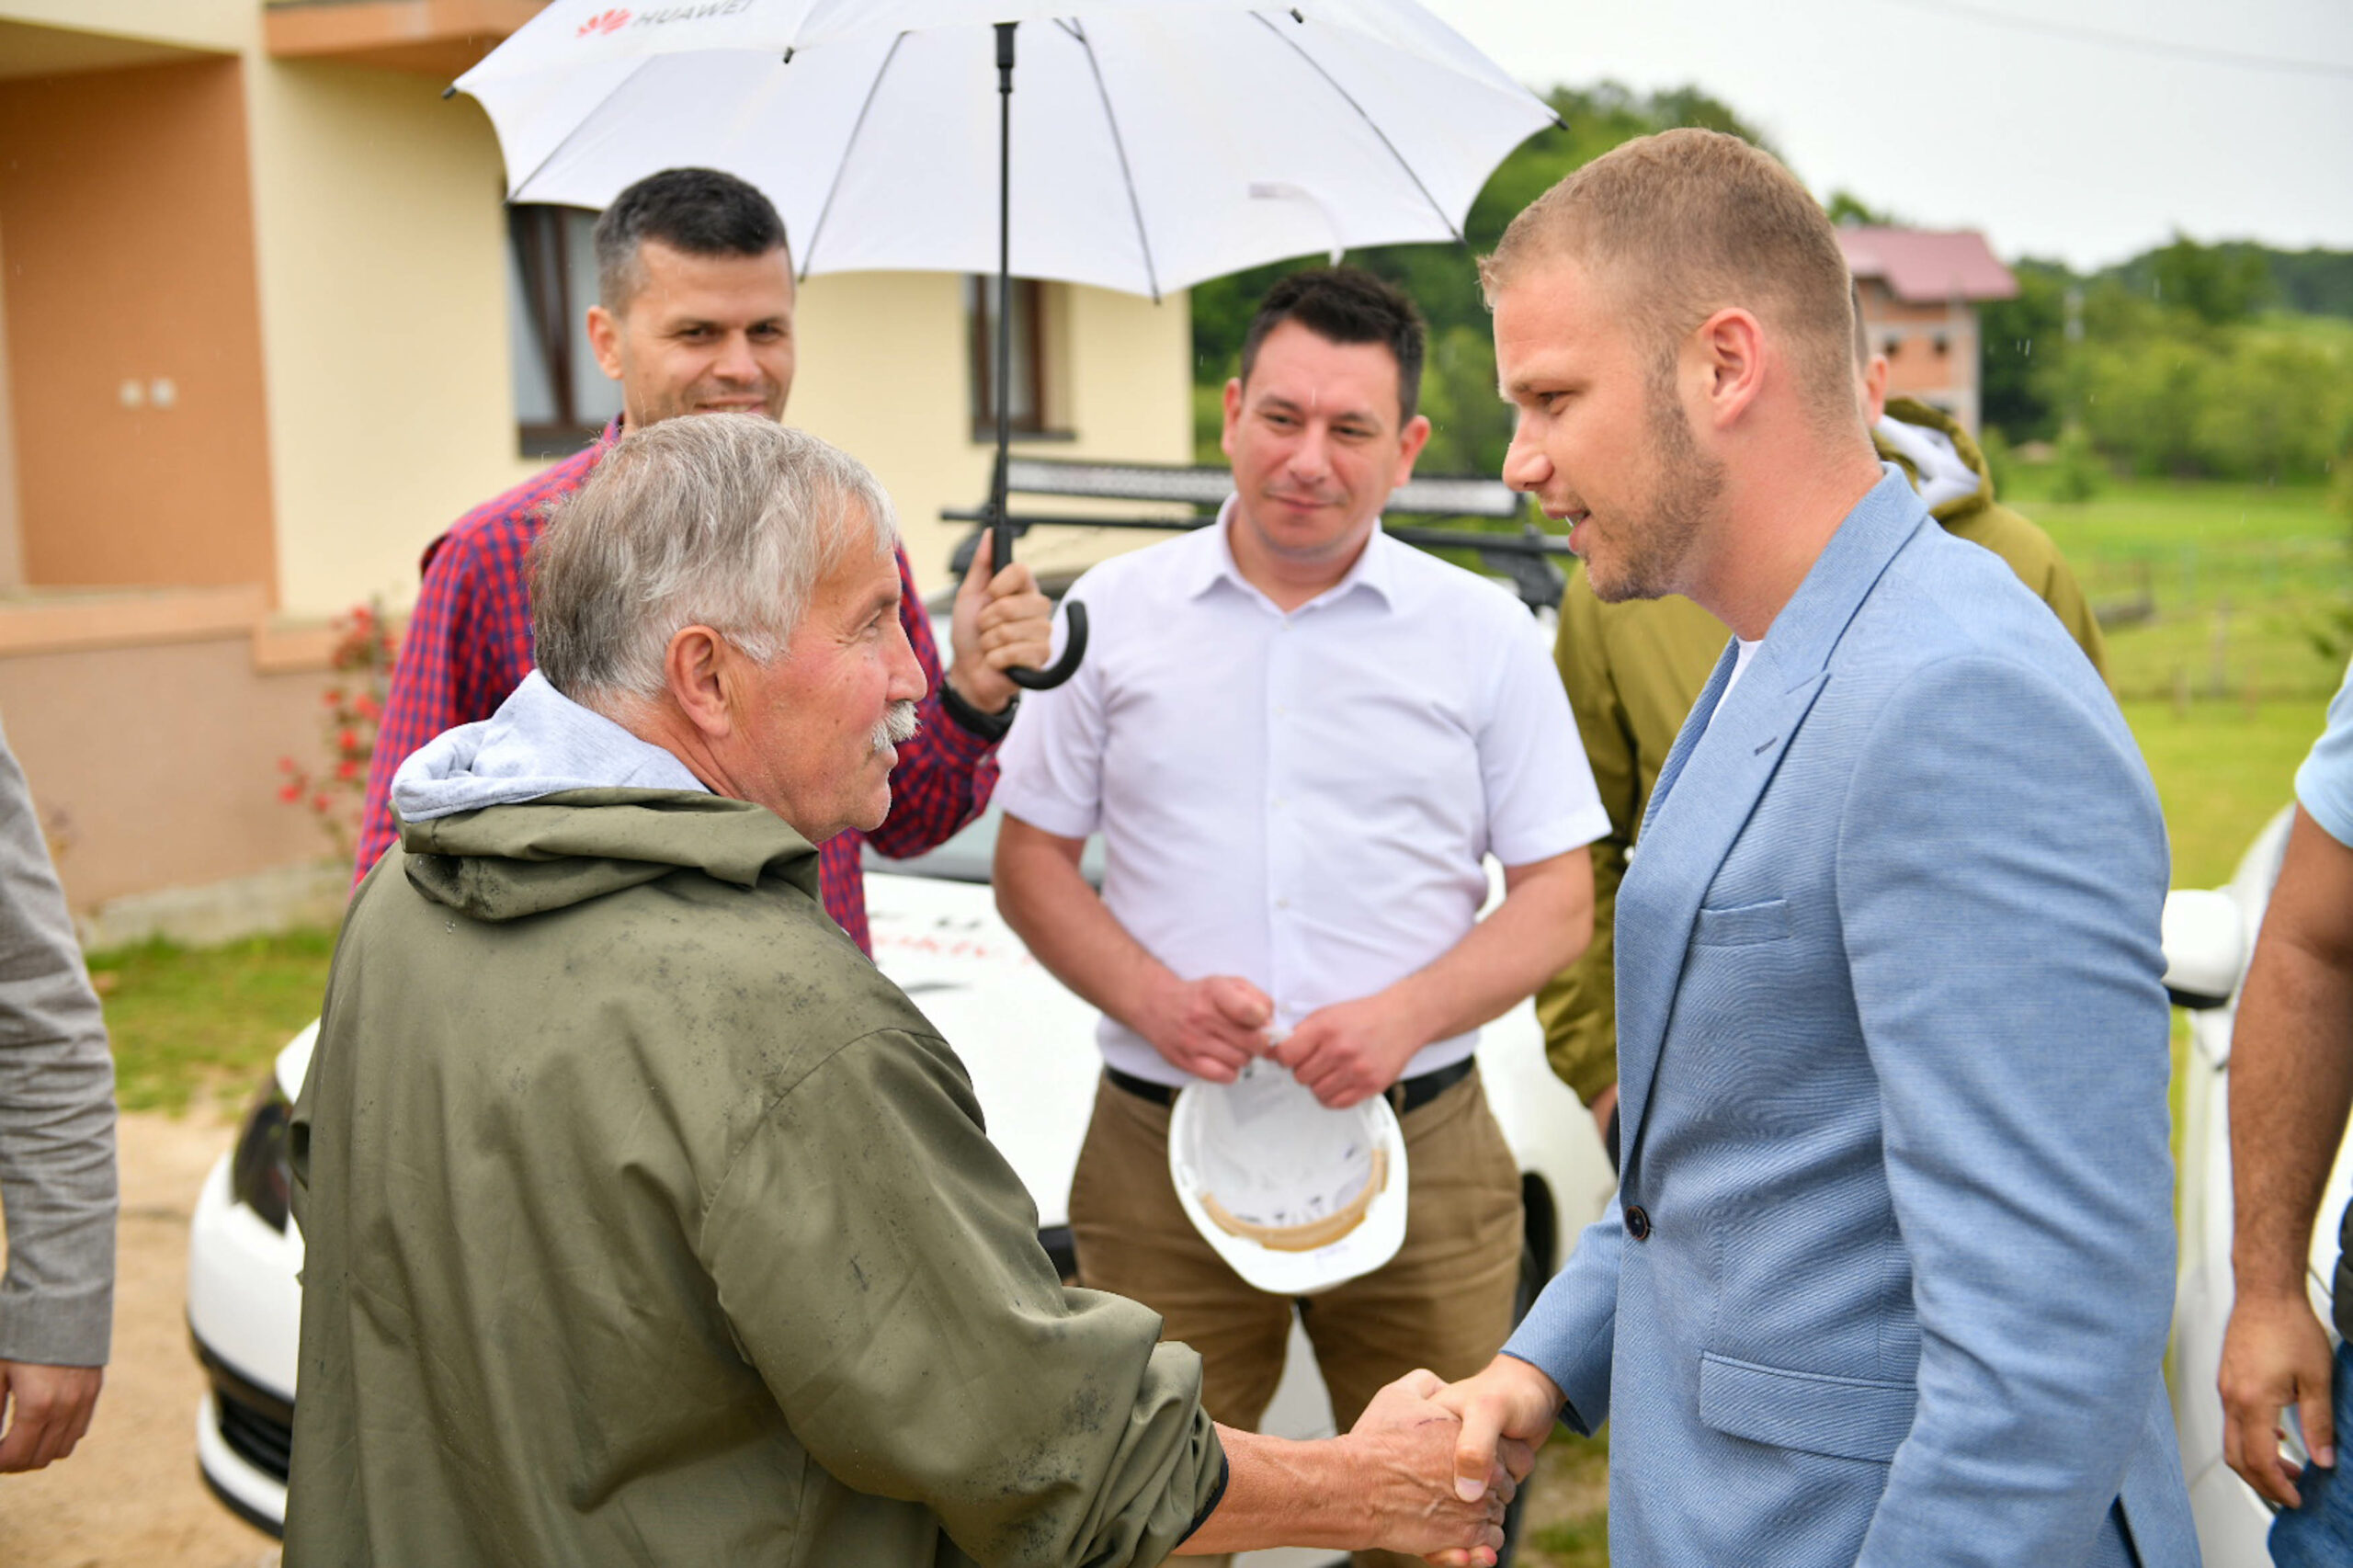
[(1528, 558)]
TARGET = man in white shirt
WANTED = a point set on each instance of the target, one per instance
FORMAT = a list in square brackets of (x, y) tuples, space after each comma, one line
[(1298, 739)]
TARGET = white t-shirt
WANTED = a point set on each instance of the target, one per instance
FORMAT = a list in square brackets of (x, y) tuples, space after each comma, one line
[(1303, 799), (1746, 651)]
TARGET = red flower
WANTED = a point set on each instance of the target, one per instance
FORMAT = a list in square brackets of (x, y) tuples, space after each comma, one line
[(320, 804), (332, 697), (290, 791), (347, 769), (285, 765), (348, 740)]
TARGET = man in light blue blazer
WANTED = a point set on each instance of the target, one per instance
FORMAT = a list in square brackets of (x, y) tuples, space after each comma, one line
[(1888, 1275)]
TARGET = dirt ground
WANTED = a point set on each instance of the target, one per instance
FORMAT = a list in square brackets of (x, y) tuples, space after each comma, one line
[(129, 1497)]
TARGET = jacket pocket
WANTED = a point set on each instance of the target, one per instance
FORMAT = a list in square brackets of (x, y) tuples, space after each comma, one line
[(1853, 1418), (1742, 925)]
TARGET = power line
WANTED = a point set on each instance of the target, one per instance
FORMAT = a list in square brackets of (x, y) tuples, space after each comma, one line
[(2128, 40)]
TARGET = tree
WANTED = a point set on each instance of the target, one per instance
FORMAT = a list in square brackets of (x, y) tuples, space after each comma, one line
[(1470, 426), (2218, 284), (2024, 341), (1847, 209)]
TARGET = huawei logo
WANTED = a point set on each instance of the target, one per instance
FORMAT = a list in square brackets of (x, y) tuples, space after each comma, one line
[(610, 22)]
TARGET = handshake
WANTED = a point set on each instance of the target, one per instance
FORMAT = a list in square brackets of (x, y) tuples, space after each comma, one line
[(1428, 1470)]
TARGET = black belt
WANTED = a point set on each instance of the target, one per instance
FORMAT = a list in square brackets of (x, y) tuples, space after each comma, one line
[(1406, 1096)]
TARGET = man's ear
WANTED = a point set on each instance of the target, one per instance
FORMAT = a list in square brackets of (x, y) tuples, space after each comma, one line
[(698, 671), (1875, 390), (1728, 348), (605, 340), (1411, 440), (1233, 414)]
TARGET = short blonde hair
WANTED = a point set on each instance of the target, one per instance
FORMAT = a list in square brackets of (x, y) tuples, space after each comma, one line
[(1689, 222)]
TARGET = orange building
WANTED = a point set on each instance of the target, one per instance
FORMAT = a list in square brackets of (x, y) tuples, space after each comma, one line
[(267, 328), (1920, 290)]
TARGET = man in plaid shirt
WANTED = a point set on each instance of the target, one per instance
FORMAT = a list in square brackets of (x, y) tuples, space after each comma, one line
[(696, 317)]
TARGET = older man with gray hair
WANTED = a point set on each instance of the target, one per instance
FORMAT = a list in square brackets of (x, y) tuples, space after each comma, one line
[(648, 1222)]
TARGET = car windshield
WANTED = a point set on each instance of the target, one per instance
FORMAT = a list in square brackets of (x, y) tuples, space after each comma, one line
[(967, 857)]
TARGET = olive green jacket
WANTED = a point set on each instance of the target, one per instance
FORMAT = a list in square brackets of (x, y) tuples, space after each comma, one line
[(1633, 670), (648, 1223)]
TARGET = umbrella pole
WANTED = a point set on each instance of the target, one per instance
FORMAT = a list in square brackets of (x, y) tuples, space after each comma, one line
[(1000, 520), (1000, 527)]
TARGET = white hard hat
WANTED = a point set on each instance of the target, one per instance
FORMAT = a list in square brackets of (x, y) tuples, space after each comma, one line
[(1295, 1196)]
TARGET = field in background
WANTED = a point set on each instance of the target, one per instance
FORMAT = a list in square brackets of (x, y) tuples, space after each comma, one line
[(2210, 592)]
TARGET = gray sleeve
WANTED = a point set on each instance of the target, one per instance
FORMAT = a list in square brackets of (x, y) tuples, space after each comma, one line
[(57, 1172)]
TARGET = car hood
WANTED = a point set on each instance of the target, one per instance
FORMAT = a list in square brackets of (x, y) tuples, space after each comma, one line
[(1028, 1044)]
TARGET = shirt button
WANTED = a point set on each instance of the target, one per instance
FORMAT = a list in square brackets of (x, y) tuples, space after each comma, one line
[(1282, 903), (1637, 1223)]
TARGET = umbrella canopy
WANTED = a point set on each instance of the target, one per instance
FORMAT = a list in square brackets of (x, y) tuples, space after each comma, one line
[(1155, 143)]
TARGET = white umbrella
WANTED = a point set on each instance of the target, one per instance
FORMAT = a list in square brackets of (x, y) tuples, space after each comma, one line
[(1158, 143)]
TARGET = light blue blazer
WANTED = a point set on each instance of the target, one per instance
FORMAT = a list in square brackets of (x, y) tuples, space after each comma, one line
[(1888, 1275)]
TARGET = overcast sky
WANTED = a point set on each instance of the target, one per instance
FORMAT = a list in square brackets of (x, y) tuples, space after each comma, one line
[(1980, 116)]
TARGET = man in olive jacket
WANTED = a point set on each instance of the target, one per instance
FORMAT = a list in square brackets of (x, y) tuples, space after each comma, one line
[(1633, 669), (646, 1222)]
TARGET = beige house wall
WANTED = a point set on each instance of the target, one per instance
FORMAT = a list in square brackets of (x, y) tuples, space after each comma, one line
[(382, 258), (156, 766), (226, 25), (12, 544), (883, 375)]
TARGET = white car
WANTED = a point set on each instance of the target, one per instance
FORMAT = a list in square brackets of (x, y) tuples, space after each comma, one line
[(2209, 936), (937, 933)]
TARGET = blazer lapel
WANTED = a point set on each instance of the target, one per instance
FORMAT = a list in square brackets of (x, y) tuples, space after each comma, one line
[(1723, 760)]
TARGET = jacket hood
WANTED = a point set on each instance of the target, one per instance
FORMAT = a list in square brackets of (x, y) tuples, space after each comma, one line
[(546, 804), (1938, 457), (537, 743), (505, 862)]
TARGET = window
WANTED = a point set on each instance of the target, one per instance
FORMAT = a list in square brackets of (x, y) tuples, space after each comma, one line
[(1027, 403), (562, 399)]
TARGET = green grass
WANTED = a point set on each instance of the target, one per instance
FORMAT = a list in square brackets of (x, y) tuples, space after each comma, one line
[(205, 1022), (2235, 580), (2221, 771)]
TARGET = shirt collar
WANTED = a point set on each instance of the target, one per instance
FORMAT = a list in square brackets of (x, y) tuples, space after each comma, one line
[(1214, 562)]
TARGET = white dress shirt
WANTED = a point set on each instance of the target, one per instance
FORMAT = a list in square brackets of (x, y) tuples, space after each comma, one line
[(1302, 800)]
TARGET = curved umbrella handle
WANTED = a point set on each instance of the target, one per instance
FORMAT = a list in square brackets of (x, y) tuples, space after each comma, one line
[(1073, 650)]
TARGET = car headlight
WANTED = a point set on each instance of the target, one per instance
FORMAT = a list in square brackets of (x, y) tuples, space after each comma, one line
[(260, 1176)]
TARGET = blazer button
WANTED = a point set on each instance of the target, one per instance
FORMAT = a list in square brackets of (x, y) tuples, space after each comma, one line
[(1637, 1223)]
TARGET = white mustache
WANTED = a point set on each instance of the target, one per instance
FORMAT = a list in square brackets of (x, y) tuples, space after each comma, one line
[(898, 726)]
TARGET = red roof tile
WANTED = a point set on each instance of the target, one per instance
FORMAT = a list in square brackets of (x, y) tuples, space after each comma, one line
[(1922, 267)]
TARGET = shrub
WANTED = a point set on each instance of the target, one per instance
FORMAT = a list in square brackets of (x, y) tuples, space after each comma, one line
[(336, 791)]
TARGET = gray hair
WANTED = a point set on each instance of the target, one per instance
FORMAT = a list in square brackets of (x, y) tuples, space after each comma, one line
[(724, 520)]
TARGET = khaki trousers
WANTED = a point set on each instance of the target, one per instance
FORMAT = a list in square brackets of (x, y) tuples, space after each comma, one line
[(1444, 1302)]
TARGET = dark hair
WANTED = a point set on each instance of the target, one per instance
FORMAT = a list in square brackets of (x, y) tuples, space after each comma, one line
[(700, 211), (1346, 304)]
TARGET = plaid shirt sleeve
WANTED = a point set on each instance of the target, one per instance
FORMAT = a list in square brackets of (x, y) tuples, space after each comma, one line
[(947, 772), (468, 644)]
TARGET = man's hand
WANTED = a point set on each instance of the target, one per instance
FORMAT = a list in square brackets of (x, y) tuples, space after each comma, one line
[(1210, 1027), (1350, 1050), (1406, 1445), (1509, 1405), (48, 1410), (1000, 621), (2275, 1354)]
